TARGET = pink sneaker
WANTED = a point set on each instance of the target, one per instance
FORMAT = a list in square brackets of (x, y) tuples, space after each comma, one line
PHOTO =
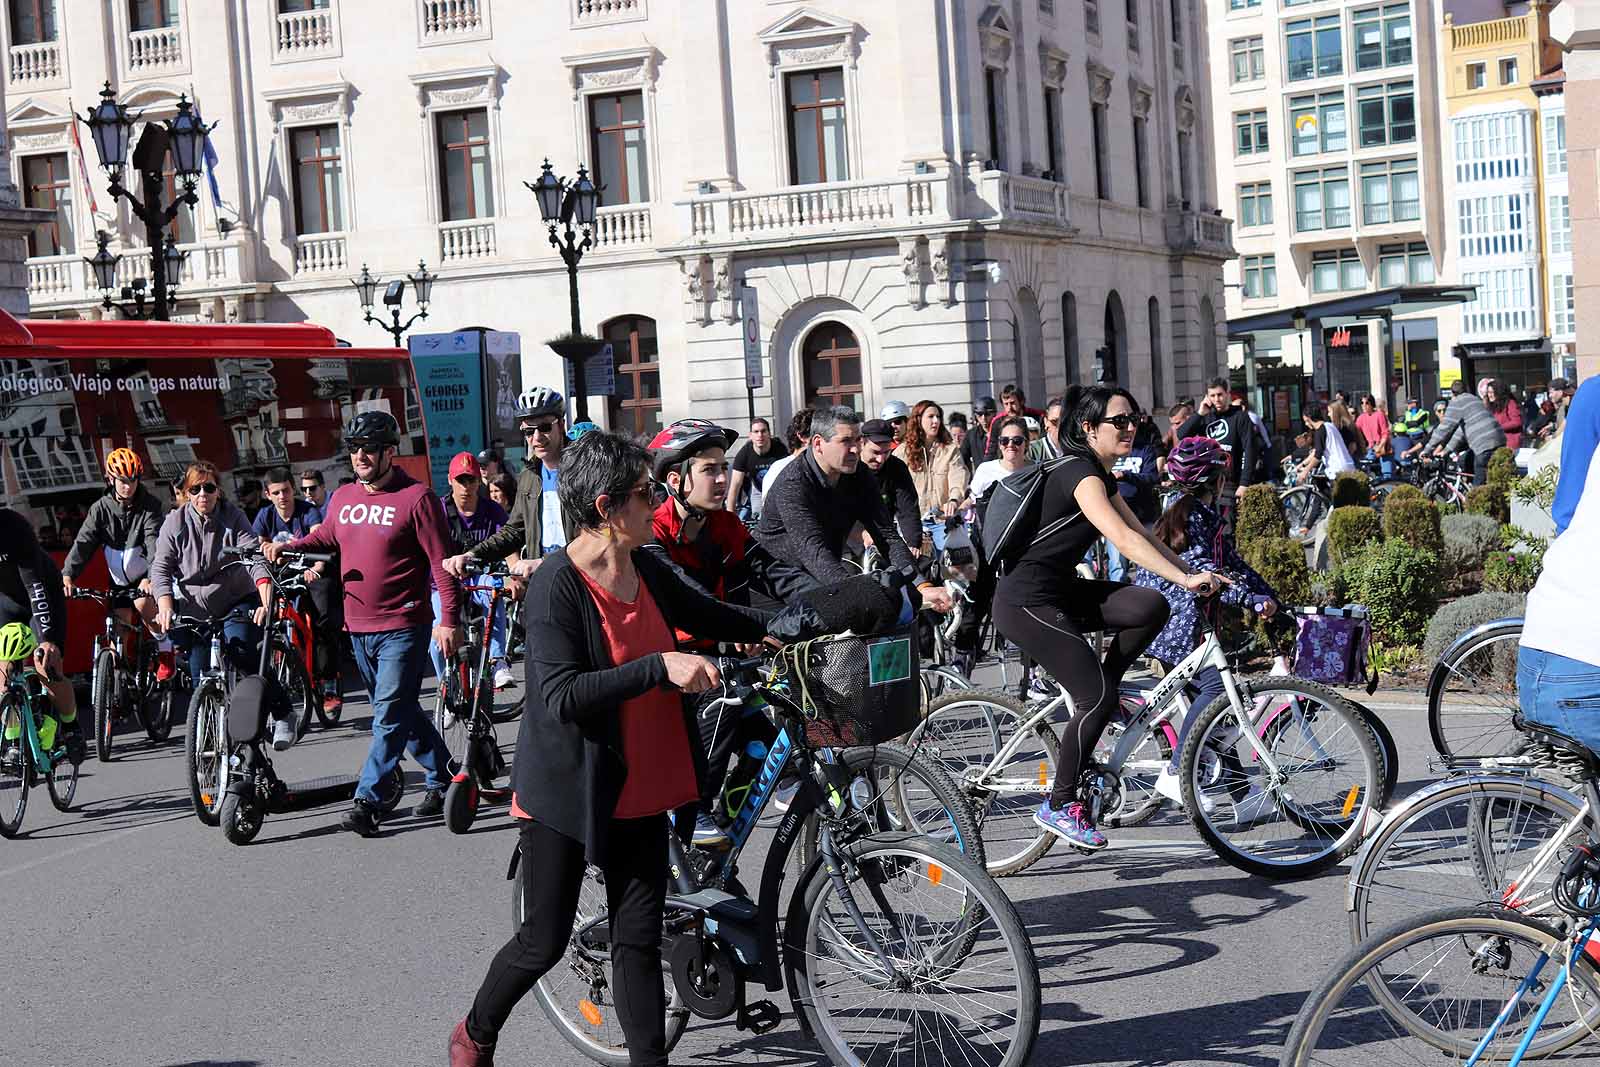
[(1072, 825)]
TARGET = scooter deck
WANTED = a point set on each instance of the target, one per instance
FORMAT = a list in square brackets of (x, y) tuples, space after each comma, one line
[(332, 787)]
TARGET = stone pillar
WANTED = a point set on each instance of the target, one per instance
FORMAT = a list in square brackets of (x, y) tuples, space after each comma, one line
[(15, 222)]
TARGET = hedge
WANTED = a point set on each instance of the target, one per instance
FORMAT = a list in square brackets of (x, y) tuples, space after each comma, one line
[(1468, 541), (1502, 468), (1459, 616), (1403, 491), (1399, 586), (1281, 562), (1491, 500), (1351, 528), (1259, 517), (1414, 520), (1352, 489)]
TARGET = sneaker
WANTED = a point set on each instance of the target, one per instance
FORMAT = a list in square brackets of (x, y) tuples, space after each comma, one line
[(503, 678), (1071, 824), (1168, 785), (465, 1052), (282, 734), (707, 834), (1257, 806), (10, 758), (361, 819), (431, 804), (783, 796), (331, 704), (72, 737)]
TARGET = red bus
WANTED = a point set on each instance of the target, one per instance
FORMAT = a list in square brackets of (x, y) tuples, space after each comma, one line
[(246, 397)]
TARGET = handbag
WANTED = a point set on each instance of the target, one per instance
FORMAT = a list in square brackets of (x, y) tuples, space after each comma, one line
[(1331, 646)]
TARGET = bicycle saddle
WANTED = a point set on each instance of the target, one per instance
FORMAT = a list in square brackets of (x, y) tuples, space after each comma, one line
[(1540, 734)]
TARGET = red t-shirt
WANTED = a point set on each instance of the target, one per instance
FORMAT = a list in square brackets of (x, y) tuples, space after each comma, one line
[(655, 745)]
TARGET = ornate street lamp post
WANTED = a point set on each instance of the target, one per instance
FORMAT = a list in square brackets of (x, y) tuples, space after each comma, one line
[(393, 294), (568, 208)]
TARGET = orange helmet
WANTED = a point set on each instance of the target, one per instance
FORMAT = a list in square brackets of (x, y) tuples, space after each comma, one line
[(124, 463)]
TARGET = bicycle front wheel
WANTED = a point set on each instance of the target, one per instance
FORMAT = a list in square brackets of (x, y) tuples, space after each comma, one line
[(1303, 507), (1437, 984), (920, 901), (205, 752), (1472, 695), (16, 765), (104, 698), (290, 670)]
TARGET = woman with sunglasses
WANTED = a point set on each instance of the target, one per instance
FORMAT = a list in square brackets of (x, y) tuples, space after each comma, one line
[(1011, 436), (1046, 608)]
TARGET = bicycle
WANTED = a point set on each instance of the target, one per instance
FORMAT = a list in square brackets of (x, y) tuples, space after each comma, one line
[(841, 967), (118, 688), (1445, 483), (291, 639), (25, 752), (205, 749), (1472, 693), (1305, 502), (1271, 750), (465, 712)]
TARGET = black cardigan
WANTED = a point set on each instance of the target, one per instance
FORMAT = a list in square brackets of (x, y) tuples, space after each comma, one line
[(569, 768)]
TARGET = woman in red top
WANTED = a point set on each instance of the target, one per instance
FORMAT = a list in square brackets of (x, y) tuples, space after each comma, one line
[(1506, 411), (1373, 422), (603, 749)]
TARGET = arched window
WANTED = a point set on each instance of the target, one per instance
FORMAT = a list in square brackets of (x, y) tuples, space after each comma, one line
[(1069, 338), (1158, 393), (831, 363), (1113, 355), (635, 403)]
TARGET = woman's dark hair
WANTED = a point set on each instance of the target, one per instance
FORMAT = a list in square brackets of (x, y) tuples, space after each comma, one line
[(800, 428), (1172, 528), (595, 465), (1000, 425), (1317, 410), (506, 484), (1086, 403), (956, 418)]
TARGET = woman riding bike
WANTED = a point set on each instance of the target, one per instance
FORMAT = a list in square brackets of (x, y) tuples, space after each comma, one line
[(190, 567), (1043, 605)]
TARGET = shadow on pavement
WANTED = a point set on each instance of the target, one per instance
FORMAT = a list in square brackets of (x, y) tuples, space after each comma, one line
[(1249, 1033), (215, 1063)]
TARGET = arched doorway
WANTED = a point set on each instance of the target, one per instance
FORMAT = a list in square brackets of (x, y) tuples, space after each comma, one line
[(1030, 346), (1208, 341), (1069, 339), (1112, 358), (635, 404), (830, 363), (1158, 392)]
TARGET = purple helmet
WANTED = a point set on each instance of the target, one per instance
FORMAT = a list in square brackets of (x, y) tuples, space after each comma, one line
[(1195, 461)]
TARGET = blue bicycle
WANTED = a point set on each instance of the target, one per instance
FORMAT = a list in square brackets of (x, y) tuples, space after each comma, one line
[(31, 742)]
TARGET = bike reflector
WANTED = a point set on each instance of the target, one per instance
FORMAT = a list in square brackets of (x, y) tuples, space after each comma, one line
[(590, 1013)]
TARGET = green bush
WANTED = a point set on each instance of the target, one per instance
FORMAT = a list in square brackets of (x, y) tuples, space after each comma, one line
[(1502, 468), (1403, 491), (1468, 540), (1350, 528), (1352, 489), (1281, 562), (1491, 500), (1259, 517), (1512, 572), (1457, 617), (1414, 520), (1399, 586)]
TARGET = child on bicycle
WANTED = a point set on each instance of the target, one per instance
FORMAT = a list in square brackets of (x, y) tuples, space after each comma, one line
[(30, 592), (1192, 527)]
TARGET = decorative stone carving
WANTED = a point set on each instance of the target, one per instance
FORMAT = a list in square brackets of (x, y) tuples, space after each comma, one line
[(309, 103), (48, 139), (1183, 101), (472, 94), (723, 281), (1099, 82), (329, 109), (1052, 66), (804, 38), (450, 88), (939, 257), (911, 268), (694, 288), (1142, 96), (633, 68), (994, 35)]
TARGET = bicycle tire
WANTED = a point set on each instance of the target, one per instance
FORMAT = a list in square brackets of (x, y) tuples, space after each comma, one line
[(16, 765), (1472, 695), (1389, 762), (155, 713), (169, 701), (62, 780), (592, 1032), (983, 916), (290, 670), (1331, 838), (1492, 824), (325, 718), (450, 717), (1137, 800), (1456, 928), (1388, 749), (935, 682), (1012, 841), (203, 753), (1303, 507), (103, 698)]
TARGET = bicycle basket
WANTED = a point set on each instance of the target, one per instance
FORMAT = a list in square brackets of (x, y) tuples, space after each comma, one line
[(857, 690)]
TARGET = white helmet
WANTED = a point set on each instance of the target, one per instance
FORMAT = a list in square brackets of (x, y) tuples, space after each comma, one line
[(894, 409), (540, 400)]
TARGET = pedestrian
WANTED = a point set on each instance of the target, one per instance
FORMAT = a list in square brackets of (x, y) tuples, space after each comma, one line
[(1229, 426), (250, 501), (473, 519), (1409, 431), (750, 466), (930, 454), (1506, 411), (1048, 446), (957, 424), (975, 447), (503, 491), (327, 608), (1469, 414), (894, 483), (1373, 422), (799, 432), (391, 536), (1013, 401)]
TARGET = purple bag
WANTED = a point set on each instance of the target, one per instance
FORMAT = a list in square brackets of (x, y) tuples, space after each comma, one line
[(1331, 646)]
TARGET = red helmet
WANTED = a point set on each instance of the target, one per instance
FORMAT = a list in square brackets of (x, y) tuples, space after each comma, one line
[(681, 441)]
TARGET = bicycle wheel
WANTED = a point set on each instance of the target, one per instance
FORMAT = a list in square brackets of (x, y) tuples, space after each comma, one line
[(576, 993), (965, 732), (290, 670), (62, 781), (156, 712), (16, 765), (1134, 799), (937, 681), (1436, 984), (921, 900), (103, 696), (450, 716), (1310, 814), (205, 752), (1472, 695), (1303, 507), (1462, 842)]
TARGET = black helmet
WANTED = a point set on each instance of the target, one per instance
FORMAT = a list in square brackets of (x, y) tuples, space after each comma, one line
[(372, 428), (540, 400), (984, 405), (679, 442)]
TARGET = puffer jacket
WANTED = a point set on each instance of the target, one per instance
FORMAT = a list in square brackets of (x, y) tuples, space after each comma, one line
[(943, 476)]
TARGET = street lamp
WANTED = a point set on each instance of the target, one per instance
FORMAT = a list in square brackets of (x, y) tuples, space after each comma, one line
[(564, 204), (393, 295), (103, 266), (183, 137)]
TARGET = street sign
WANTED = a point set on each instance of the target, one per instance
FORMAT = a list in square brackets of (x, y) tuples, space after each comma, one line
[(450, 384), (750, 316), (600, 374)]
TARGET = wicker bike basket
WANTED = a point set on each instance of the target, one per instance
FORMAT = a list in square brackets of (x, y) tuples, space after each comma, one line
[(857, 690)]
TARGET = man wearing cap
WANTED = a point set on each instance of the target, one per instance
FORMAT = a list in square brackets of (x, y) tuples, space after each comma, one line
[(473, 518), (895, 484), (975, 446)]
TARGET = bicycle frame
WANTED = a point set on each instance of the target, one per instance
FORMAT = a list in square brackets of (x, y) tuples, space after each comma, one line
[(41, 759)]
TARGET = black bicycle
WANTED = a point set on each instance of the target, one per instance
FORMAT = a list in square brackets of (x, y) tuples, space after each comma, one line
[(120, 690)]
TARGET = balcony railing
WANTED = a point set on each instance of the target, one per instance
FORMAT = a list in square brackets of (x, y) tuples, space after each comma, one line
[(1193, 231), (304, 34), (443, 20), (598, 12), (1380, 214), (1025, 199), (59, 280), (54, 276), (829, 208), (460, 242), (151, 51), (1492, 32), (320, 253), (1333, 218), (31, 64), (622, 226)]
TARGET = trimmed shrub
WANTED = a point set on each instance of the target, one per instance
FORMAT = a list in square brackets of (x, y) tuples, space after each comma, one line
[(1259, 517), (1350, 528), (1459, 616), (1352, 489), (1502, 468), (1403, 491), (1468, 541), (1414, 520), (1399, 586), (1281, 561), (1512, 572), (1491, 500)]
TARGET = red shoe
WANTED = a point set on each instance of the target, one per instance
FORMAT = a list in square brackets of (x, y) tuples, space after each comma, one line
[(163, 666), (465, 1052), (331, 704)]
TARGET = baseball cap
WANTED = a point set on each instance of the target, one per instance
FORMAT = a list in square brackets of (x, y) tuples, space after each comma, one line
[(465, 463), (877, 430)]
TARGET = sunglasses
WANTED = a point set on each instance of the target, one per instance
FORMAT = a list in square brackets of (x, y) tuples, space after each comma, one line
[(309, 488), (369, 449), (545, 428), (1012, 442), (203, 487), (1123, 423)]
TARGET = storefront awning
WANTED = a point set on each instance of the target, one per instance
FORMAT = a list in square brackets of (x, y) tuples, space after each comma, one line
[(1268, 329)]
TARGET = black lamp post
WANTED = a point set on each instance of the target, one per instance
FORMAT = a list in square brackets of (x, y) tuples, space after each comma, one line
[(393, 294), (103, 265), (183, 137), (564, 204)]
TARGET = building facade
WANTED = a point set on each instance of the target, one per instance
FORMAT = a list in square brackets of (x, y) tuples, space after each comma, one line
[(928, 198), (1575, 28), (1561, 320), (1328, 143)]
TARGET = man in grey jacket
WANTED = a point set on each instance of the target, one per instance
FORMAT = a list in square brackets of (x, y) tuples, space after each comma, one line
[(1468, 413)]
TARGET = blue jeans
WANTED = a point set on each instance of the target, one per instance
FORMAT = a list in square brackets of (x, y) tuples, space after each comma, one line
[(935, 530), (1385, 463), (391, 666), (497, 633), (1561, 693), (241, 648)]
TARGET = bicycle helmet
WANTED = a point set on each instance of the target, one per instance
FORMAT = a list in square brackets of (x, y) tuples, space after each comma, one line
[(540, 400), (124, 463), (579, 429), (674, 447), (372, 428), (1032, 424), (894, 409), (1195, 461), (17, 641), (984, 405)]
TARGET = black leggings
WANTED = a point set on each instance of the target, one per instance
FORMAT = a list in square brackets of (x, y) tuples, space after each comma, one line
[(636, 892), (1052, 634)]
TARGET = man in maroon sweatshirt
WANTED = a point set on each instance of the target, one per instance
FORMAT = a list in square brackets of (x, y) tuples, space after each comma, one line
[(391, 535)]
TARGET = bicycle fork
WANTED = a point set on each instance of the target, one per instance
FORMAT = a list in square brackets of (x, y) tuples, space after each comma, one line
[(1553, 994)]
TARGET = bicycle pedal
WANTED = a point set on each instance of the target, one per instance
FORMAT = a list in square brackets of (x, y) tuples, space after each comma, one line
[(760, 1017)]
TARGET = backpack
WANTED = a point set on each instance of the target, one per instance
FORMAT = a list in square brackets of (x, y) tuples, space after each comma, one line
[(1011, 515)]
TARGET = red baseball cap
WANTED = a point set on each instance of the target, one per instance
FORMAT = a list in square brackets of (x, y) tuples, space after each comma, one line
[(465, 463)]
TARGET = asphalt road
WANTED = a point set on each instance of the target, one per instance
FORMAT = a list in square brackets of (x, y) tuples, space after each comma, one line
[(136, 936)]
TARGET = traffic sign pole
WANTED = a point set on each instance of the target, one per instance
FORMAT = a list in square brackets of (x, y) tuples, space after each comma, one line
[(750, 323)]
